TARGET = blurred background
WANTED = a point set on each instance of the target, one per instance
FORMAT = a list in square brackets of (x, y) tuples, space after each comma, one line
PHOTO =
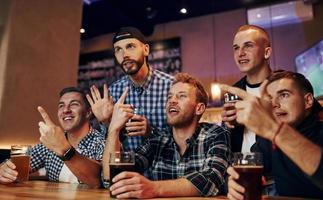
[(46, 45)]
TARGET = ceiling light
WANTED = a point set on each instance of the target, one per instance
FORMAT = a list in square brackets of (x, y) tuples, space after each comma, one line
[(82, 30), (183, 10)]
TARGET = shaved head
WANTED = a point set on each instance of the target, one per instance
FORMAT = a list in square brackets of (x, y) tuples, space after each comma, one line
[(262, 34)]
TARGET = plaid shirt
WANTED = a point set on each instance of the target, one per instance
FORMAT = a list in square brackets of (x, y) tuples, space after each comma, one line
[(91, 146), (204, 162), (150, 98)]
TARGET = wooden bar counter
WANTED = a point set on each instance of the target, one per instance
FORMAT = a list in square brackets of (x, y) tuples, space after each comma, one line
[(43, 190)]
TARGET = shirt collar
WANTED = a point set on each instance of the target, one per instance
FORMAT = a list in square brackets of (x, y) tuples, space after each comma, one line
[(145, 84)]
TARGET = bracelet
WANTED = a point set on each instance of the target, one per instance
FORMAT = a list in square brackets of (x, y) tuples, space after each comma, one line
[(273, 141)]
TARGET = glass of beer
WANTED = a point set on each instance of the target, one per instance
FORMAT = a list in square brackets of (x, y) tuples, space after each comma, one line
[(19, 157), (250, 168), (119, 162)]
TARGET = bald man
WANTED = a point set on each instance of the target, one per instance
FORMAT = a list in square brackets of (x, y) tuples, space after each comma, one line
[(252, 50)]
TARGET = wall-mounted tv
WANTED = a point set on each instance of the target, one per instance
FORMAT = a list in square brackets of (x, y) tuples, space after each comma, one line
[(310, 64)]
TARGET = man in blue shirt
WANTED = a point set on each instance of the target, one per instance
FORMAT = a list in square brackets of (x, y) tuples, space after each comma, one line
[(147, 88)]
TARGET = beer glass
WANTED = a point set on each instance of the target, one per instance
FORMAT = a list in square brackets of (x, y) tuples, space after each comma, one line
[(250, 169), (19, 157), (120, 161)]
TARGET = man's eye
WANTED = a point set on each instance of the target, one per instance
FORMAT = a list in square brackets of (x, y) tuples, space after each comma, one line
[(284, 95)]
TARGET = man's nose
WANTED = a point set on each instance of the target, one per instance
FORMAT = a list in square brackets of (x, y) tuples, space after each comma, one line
[(275, 103), (241, 52), (66, 109)]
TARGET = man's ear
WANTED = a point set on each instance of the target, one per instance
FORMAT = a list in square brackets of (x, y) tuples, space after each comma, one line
[(146, 49), (308, 100), (268, 51), (200, 108)]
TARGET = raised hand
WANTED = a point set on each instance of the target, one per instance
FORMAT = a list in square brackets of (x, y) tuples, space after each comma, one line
[(8, 174), (133, 185), (51, 135), (253, 111), (102, 108), (121, 113)]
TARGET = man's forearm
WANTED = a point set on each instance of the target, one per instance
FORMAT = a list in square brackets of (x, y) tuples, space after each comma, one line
[(85, 169), (299, 149), (112, 144), (175, 188)]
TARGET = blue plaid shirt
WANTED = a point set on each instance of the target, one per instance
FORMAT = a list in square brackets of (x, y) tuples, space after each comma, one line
[(150, 98), (91, 146), (204, 162)]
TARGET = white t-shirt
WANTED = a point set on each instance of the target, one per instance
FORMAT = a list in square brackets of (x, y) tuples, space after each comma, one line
[(249, 137)]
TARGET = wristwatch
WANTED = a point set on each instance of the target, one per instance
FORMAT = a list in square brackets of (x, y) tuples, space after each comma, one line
[(69, 153)]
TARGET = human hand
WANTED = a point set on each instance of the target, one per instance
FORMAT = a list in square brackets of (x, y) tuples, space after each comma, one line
[(235, 191), (51, 135), (255, 113), (133, 185), (102, 108), (228, 115), (8, 174), (138, 126), (121, 113)]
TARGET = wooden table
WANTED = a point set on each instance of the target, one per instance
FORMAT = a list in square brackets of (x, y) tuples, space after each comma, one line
[(43, 190)]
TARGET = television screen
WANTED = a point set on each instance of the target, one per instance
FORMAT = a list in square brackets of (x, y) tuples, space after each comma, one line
[(310, 64)]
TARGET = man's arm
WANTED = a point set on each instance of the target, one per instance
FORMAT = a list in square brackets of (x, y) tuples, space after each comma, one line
[(135, 185), (52, 136), (121, 114), (298, 148)]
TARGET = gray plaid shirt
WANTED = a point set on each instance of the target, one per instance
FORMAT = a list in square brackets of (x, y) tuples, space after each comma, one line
[(91, 146), (150, 98), (204, 162)]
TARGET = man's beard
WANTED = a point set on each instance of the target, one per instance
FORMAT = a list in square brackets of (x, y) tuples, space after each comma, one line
[(134, 69), (181, 121)]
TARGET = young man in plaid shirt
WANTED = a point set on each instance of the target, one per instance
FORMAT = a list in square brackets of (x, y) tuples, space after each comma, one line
[(187, 159), (72, 155)]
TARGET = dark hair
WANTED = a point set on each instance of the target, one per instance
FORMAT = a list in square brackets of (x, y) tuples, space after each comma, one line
[(301, 82), (78, 90), (264, 34), (201, 94)]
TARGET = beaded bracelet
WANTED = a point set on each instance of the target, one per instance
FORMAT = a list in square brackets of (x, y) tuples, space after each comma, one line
[(273, 141)]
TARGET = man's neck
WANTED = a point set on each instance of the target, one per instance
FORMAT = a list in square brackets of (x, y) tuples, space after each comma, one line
[(181, 134), (140, 77), (259, 76), (74, 137)]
